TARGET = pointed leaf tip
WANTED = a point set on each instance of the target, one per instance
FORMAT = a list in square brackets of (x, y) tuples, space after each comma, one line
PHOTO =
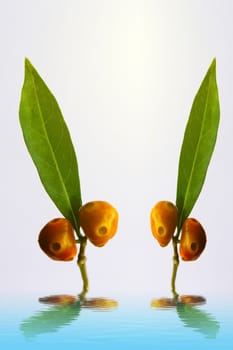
[(49, 143), (198, 143), (212, 67), (27, 63)]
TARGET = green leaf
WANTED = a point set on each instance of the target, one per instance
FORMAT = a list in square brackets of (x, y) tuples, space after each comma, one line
[(49, 144), (198, 144)]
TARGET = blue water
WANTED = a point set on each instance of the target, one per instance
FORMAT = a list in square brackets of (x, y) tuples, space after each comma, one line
[(114, 323)]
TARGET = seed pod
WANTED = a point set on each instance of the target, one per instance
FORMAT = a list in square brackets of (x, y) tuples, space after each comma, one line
[(57, 240), (193, 240), (99, 221), (163, 220)]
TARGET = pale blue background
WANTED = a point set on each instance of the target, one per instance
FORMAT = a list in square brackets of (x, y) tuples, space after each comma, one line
[(125, 74)]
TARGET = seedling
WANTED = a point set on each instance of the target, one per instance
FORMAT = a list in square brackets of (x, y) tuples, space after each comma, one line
[(169, 222), (49, 143)]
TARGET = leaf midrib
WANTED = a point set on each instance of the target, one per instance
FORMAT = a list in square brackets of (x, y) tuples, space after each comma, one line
[(52, 153)]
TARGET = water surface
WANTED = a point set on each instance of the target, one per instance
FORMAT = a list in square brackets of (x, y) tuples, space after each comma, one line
[(39, 322)]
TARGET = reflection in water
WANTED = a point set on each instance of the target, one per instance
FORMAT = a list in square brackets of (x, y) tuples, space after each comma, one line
[(192, 299), (192, 317), (50, 320), (163, 303), (64, 309), (100, 304), (198, 320)]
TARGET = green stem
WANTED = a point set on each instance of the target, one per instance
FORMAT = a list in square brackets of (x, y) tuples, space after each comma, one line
[(82, 266), (77, 230), (175, 266)]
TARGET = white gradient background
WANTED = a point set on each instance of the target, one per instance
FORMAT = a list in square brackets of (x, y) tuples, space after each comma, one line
[(124, 73)]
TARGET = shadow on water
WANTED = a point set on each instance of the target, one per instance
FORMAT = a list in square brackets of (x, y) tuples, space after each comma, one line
[(188, 311), (62, 311)]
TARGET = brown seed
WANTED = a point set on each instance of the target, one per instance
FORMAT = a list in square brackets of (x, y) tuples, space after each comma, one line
[(193, 240), (99, 221), (163, 221), (57, 240)]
